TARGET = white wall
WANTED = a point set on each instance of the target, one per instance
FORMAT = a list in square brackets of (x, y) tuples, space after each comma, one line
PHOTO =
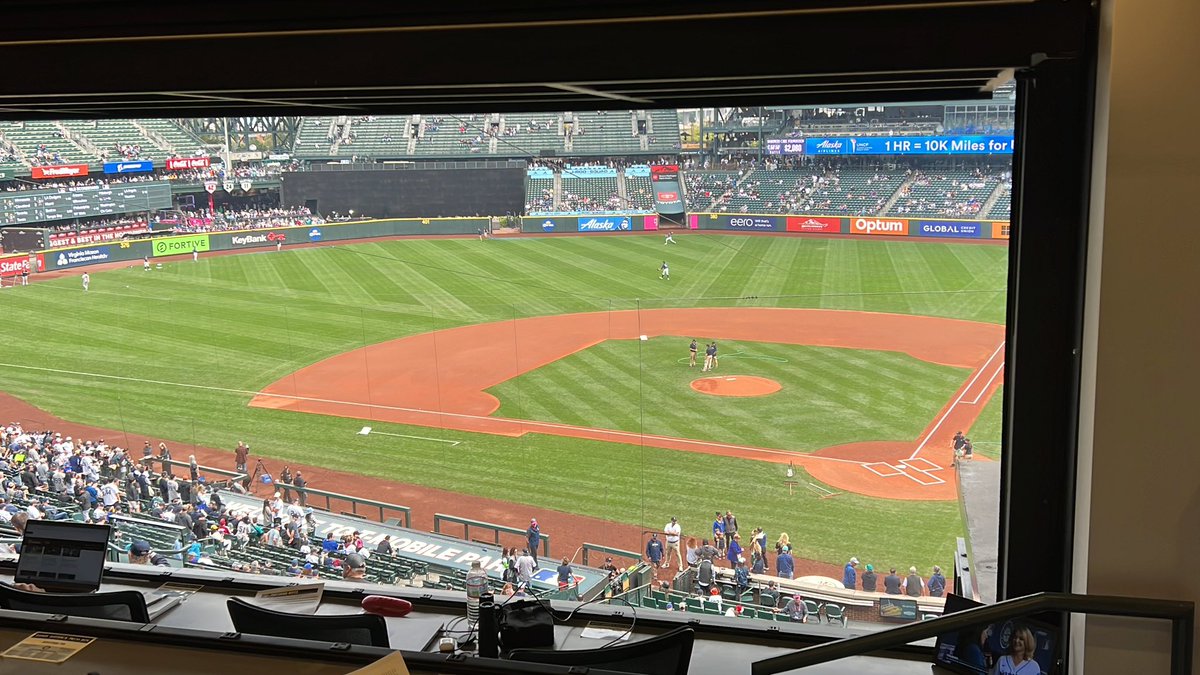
[(1139, 500)]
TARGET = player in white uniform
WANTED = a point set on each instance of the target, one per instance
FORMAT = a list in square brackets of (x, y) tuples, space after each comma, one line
[(195, 254), (87, 281), (670, 239)]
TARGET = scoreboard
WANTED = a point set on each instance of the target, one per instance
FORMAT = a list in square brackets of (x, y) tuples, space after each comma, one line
[(40, 206)]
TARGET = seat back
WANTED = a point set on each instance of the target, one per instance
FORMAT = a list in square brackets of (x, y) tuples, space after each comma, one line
[(356, 629), (117, 605), (666, 654)]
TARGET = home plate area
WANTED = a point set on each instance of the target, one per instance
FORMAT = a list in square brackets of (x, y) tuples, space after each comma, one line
[(919, 470)]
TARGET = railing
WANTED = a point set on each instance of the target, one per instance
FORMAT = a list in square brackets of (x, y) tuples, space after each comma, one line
[(355, 502), (608, 550), (467, 524), (1181, 614), (229, 477), (965, 583)]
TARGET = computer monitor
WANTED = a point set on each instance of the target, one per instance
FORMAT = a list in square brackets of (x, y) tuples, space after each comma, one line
[(63, 557), (977, 650)]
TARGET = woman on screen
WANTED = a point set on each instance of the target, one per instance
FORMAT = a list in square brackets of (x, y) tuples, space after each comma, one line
[(1019, 660)]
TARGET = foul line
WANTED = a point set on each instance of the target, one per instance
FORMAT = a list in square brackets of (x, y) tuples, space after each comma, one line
[(501, 420), (954, 405), (987, 386)]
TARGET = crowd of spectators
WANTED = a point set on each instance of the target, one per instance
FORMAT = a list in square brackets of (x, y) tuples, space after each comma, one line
[(223, 220)]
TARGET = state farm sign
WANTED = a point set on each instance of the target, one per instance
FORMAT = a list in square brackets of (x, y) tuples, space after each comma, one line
[(16, 265), (60, 171), (180, 163), (889, 226)]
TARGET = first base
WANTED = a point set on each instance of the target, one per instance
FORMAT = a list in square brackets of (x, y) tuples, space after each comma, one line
[(643, 338)]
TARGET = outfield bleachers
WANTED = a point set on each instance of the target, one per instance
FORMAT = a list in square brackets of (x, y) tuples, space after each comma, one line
[(951, 193), (603, 132), (380, 137), (589, 194), (639, 193), (703, 187), (312, 138), (1002, 209), (179, 141), (539, 194)]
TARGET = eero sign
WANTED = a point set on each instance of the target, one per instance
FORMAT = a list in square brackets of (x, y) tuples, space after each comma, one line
[(752, 223)]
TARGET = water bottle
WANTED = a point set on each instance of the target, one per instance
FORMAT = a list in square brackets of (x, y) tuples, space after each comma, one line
[(476, 584)]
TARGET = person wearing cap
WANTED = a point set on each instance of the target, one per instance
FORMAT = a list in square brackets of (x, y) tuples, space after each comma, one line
[(525, 565), (913, 585), (654, 550), (741, 576), (937, 583), (850, 575), (796, 609), (355, 568), (869, 581), (671, 530), (533, 538), (141, 554), (609, 567), (769, 596), (719, 532), (785, 564), (704, 576)]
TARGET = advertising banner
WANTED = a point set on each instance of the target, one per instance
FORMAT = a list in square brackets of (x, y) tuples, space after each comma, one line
[(540, 172), (949, 228), (814, 224), (909, 145), (60, 171), (82, 256), (638, 171), (1000, 230), (181, 163), (752, 222), (604, 223), (785, 146), (589, 172), (12, 266), (549, 225), (143, 166), (258, 238), (75, 239), (314, 234), (650, 222), (179, 245), (897, 227)]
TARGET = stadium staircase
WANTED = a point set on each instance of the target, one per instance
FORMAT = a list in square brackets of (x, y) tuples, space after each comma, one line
[(170, 136), (999, 204), (557, 190), (899, 192)]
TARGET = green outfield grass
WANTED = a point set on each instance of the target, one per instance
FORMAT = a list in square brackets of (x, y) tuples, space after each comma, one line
[(829, 395), (227, 326)]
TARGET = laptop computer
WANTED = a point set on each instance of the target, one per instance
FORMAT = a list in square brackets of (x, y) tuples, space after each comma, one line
[(63, 556)]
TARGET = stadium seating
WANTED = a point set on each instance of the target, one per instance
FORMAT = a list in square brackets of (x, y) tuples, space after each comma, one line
[(589, 194), (639, 193), (703, 187), (177, 140), (27, 137), (312, 138), (951, 193), (539, 195), (1002, 209), (108, 135), (603, 132)]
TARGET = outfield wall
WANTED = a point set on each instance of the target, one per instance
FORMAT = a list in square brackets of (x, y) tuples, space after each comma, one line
[(120, 251), (94, 254), (885, 226)]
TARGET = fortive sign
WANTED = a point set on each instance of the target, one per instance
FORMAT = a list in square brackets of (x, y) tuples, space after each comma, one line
[(177, 245), (813, 224), (60, 171), (181, 163), (890, 226)]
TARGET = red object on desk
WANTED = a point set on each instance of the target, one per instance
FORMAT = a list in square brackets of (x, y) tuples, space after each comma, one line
[(385, 606)]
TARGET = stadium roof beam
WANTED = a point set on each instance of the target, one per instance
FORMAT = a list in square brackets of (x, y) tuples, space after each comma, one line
[(284, 58)]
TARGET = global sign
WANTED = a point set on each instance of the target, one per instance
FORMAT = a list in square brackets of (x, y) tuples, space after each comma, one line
[(949, 228)]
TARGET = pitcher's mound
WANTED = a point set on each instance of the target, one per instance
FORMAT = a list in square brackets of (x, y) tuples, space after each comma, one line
[(736, 385)]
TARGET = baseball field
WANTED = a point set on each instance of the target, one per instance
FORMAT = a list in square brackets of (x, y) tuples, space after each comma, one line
[(516, 369)]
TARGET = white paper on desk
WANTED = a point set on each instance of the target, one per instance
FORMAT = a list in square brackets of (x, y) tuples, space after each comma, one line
[(392, 664), (605, 631), (299, 599)]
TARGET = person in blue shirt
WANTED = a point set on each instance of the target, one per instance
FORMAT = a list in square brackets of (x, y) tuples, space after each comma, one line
[(330, 544), (850, 575), (654, 549), (937, 583), (533, 537), (719, 532), (785, 564), (741, 576), (734, 550)]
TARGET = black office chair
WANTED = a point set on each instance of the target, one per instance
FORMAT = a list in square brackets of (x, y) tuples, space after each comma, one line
[(118, 605), (356, 629), (667, 654)]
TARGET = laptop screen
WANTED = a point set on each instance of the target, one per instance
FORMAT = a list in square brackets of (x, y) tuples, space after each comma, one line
[(63, 556)]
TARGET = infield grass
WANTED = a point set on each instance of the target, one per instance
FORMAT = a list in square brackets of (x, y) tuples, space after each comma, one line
[(195, 340)]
